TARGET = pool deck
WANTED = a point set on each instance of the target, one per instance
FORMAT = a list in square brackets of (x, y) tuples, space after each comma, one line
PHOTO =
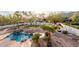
[(62, 40), (5, 43), (4, 35), (58, 40)]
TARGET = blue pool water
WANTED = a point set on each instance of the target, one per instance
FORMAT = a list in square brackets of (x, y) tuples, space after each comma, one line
[(19, 36)]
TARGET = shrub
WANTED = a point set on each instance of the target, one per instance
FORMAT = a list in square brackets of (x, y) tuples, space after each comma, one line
[(65, 32), (47, 38), (35, 37), (49, 28)]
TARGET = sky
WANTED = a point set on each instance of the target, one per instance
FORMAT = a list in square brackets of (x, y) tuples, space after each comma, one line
[(38, 6), (5, 12), (10, 12)]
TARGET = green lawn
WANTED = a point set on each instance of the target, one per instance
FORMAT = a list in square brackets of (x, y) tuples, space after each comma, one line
[(75, 26)]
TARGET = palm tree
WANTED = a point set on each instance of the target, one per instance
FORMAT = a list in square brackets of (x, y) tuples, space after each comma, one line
[(50, 30)]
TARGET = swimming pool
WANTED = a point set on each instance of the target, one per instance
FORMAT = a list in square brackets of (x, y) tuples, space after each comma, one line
[(19, 36)]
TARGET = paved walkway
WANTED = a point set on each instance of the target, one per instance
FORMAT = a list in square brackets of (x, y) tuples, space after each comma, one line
[(61, 40), (70, 29), (23, 24)]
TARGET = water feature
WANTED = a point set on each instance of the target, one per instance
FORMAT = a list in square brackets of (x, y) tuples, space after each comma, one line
[(19, 36)]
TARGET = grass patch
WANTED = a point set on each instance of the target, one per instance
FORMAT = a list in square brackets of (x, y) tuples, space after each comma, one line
[(75, 26)]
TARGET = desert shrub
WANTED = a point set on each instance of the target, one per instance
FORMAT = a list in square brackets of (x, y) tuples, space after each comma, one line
[(65, 32), (49, 28), (36, 37)]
